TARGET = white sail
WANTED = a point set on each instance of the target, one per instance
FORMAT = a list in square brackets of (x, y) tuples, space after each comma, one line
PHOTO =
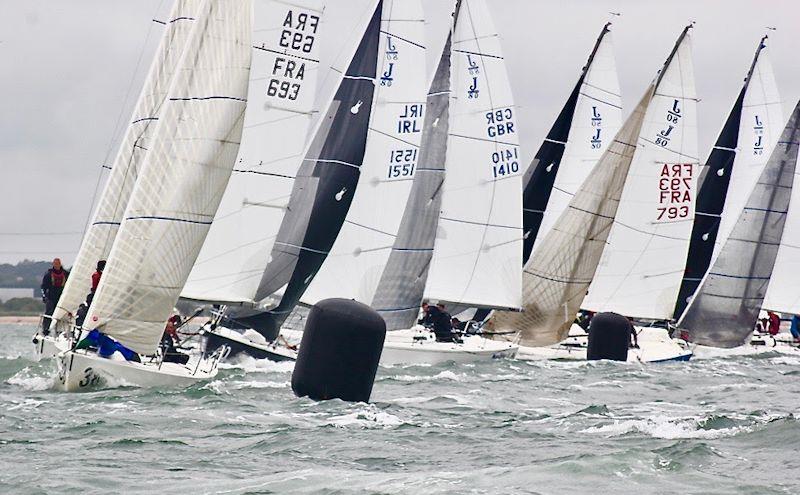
[(477, 257), (642, 267), (284, 75), (760, 127), (596, 120), (355, 263), (100, 235), (182, 180)]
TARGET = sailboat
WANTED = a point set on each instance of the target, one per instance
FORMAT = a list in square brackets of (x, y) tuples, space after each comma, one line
[(178, 189), (725, 307), (102, 231), (657, 138), (302, 207), (460, 239)]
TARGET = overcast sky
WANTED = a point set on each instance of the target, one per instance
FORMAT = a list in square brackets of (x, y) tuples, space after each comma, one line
[(70, 71)]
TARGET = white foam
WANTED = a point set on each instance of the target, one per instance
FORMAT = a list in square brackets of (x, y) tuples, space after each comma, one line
[(442, 375), (23, 379), (252, 365), (665, 428), (366, 417)]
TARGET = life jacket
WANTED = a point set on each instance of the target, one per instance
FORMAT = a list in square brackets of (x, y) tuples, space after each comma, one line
[(58, 278)]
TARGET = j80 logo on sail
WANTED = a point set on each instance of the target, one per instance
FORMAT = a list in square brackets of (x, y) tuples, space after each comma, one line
[(673, 117)]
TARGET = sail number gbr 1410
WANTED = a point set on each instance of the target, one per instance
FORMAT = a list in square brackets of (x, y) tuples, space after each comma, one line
[(506, 162)]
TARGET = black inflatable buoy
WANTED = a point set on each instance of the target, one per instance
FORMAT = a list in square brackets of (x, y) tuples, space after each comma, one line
[(609, 335), (339, 353)]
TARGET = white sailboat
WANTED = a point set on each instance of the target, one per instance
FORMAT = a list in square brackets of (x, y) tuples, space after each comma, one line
[(102, 231), (177, 192), (460, 240), (565, 263)]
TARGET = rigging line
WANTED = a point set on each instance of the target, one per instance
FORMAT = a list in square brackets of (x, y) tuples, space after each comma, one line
[(402, 39), (270, 50), (601, 101), (86, 224)]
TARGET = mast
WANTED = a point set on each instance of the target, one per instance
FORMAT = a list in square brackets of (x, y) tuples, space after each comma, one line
[(712, 195)]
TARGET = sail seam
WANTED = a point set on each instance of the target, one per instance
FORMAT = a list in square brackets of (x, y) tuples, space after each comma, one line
[(169, 219)]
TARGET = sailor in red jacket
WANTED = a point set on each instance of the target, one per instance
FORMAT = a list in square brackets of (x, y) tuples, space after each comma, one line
[(53, 284), (97, 274)]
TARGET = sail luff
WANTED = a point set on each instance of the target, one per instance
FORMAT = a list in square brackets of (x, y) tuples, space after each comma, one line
[(725, 308), (182, 180), (101, 232)]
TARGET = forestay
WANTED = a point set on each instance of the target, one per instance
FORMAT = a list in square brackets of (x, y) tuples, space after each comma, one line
[(725, 308), (100, 235), (325, 183), (355, 263), (187, 167), (402, 283), (477, 260), (563, 265), (283, 81), (641, 270), (586, 125), (732, 168)]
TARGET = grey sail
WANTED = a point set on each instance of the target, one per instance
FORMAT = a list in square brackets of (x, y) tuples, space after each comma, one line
[(560, 271), (402, 284), (724, 310)]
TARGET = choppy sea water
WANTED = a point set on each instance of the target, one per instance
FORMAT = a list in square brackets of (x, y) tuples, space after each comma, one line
[(720, 425)]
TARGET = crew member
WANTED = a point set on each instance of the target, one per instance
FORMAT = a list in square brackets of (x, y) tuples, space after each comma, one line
[(774, 323), (53, 284), (97, 274)]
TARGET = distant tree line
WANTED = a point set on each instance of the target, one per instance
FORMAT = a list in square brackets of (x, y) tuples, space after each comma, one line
[(26, 274), (21, 306)]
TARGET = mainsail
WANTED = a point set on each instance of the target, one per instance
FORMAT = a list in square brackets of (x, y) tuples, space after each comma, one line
[(590, 118), (355, 263), (725, 308), (402, 283), (181, 183), (283, 80), (324, 185), (100, 235), (641, 269), (732, 168), (477, 260)]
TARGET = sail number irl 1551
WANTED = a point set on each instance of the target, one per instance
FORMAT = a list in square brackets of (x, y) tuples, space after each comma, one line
[(402, 163), (288, 73), (675, 191)]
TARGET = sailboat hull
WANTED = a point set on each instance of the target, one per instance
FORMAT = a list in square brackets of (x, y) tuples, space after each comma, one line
[(655, 346), (85, 370), (239, 344), (418, 346)]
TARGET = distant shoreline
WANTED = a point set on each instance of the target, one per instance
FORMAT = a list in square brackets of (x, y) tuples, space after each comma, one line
[(30, 320)]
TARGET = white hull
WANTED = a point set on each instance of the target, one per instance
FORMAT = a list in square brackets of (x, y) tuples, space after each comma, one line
[(48, 346), (250, 343), (655, 346), (84, 370), (759, 343), (418, 346)]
